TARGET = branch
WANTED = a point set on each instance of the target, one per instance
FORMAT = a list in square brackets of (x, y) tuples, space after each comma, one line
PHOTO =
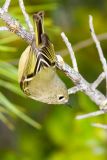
[(95, 95), (92, 114), (99, 125), (4, 28), (100, 52), (71, 52), (27, 19), (73, 90), (100, 78), (6, 6)]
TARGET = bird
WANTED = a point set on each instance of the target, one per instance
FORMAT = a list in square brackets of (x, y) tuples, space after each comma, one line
[(37, 68)]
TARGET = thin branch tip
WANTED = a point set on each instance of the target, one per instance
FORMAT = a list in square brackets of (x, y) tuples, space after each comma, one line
[(90, 16), (92, 114), (99, 125), (71, 52)]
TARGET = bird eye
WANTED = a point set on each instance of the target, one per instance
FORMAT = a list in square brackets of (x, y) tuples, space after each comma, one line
[(61, 97)]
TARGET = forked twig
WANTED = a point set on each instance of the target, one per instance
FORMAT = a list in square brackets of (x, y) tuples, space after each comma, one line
[(100, 78)]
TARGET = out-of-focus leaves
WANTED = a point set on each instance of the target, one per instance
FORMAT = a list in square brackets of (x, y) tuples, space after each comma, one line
[(6, 103), (85, 102), (8, 40), (12, 87), (6, 121), (31, 8), (9, 71), (7, 49)]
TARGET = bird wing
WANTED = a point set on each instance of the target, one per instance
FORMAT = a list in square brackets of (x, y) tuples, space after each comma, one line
[(27, 64), (46, 55)]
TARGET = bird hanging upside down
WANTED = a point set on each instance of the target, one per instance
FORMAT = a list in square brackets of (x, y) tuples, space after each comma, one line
[(37, 68)]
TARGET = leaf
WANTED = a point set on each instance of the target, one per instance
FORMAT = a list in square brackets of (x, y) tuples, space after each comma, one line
[(7, 49), (7, 104), (8, 39), (34, 8), (9, 71), (12, 87)]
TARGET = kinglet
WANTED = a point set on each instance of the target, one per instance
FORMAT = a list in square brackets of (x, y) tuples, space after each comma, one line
[(37, 68)]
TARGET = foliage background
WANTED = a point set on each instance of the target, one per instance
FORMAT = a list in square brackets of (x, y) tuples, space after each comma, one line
[(61, 137)]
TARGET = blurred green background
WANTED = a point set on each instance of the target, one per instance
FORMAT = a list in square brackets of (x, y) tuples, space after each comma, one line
[(61, 137)]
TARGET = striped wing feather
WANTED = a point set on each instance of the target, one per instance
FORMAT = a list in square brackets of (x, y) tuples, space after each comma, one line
[(45, 57)]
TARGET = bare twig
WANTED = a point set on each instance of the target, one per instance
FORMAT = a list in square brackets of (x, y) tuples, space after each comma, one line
[(27, 19), (73, 90), (4, 28), (100, 52), (6, 5), (100, 78), (92, 114), (99, 125), (71, 52)]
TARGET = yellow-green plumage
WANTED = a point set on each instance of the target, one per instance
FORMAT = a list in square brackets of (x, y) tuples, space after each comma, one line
[(26, 63), (37, 70)]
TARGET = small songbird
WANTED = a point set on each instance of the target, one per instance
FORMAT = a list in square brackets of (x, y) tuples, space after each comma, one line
[(37, 68)]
